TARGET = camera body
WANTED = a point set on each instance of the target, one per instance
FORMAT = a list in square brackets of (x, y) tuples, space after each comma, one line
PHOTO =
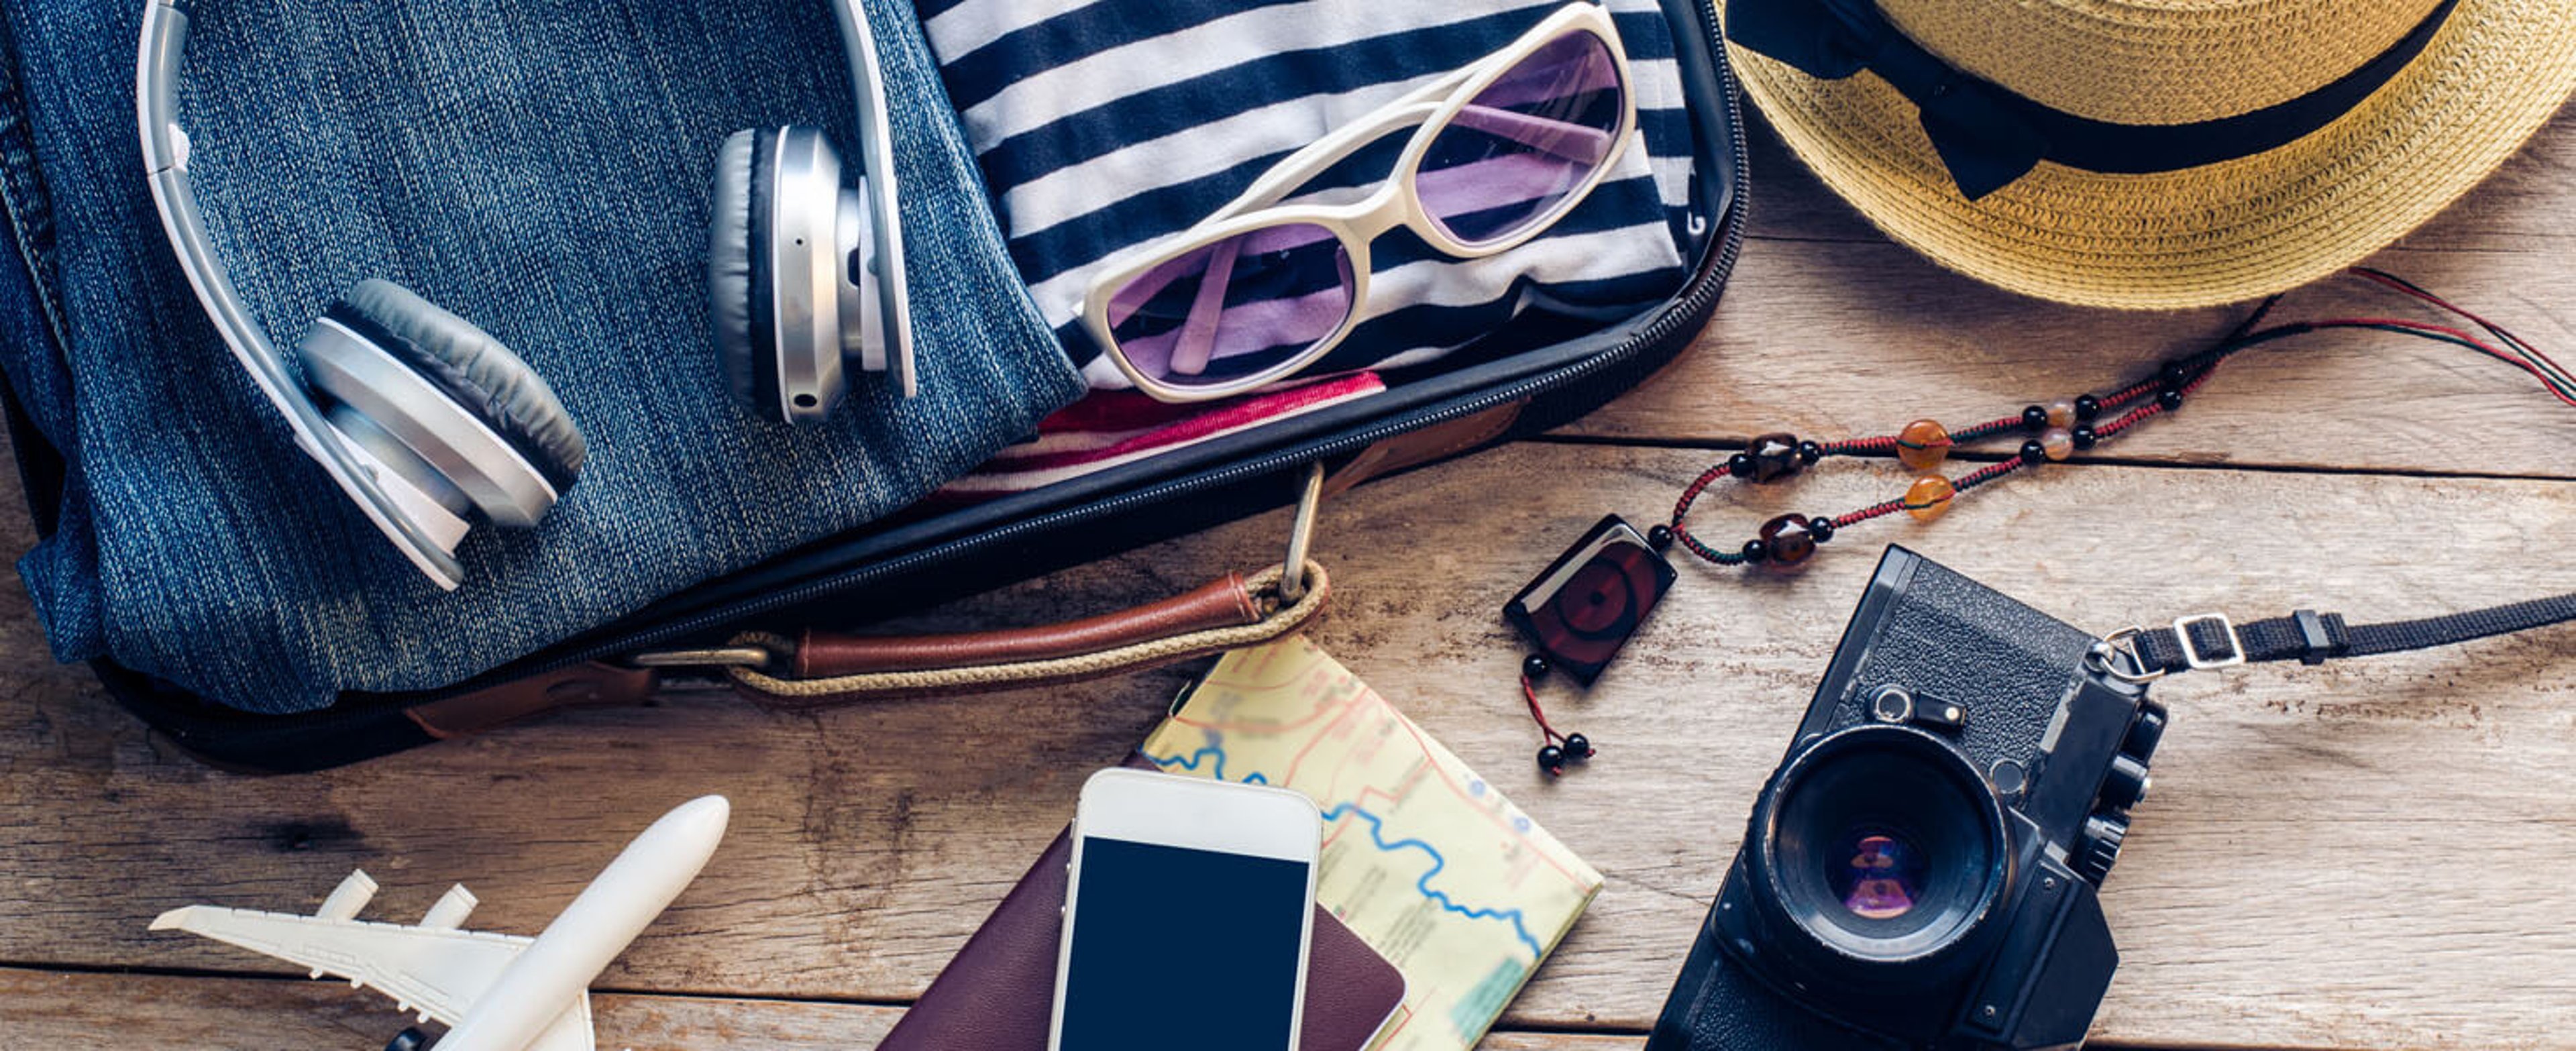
[(1922, 869)]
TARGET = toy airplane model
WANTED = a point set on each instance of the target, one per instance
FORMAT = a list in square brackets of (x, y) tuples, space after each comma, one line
[(495, 992)]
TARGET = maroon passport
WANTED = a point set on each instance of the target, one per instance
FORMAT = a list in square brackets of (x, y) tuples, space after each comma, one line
[(999, 993)]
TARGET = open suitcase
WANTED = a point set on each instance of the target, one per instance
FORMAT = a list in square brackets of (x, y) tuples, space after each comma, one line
[(1531, 376)]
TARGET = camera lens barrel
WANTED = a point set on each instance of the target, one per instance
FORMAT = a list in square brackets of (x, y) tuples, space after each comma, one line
[(1877, 853)]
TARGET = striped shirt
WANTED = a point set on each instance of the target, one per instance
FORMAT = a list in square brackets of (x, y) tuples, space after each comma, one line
[(1105, 124)]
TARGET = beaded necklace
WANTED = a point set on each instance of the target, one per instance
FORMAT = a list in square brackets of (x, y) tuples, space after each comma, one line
[(2052, 431), (1576, 615)]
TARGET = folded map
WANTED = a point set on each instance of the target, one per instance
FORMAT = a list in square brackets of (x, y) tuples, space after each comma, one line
[(1424, 860)]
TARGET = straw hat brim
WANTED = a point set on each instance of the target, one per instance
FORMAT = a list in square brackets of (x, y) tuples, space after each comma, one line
[(2221, 233)]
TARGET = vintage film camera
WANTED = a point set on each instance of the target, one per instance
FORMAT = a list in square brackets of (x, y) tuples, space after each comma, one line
[(1921, 870)]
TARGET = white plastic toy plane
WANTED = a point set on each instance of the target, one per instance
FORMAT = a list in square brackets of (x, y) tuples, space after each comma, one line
[(495, 992)]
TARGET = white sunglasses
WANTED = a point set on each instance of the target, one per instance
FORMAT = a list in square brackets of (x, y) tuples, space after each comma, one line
[(1260, 290)]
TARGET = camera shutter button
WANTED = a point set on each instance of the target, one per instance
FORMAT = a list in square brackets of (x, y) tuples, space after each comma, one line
[(2145, 733), (2125, 784), (2102, 836)]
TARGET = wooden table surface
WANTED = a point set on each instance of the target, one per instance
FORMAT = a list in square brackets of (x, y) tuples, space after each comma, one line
[(2376, 854)]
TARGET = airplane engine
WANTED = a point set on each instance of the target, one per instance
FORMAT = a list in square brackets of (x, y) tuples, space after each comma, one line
[(347, 898), (451, 910)]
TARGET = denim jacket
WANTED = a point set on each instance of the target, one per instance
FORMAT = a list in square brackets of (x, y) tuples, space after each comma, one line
[(541, 168)]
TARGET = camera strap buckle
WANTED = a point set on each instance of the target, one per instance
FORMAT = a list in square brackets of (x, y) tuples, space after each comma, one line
[(2191, 646)]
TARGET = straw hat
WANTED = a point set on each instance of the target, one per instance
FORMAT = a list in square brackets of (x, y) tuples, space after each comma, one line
[(2152, 154)]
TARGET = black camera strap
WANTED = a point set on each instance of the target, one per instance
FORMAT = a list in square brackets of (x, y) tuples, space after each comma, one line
[(2212, 641)]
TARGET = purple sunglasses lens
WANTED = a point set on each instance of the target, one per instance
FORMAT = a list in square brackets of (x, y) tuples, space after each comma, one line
[(1242, 307), (1533, 136)]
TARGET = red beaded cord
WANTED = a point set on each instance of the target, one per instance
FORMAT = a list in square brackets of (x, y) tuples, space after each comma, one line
[(1529, 692), (2161, 394), (1572, 747)]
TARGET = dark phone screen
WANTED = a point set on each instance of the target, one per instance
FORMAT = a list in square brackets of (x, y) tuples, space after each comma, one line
[(1182, 948)]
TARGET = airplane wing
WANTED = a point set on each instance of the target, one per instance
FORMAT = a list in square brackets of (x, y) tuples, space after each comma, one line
[(434, 969), (437, 974)]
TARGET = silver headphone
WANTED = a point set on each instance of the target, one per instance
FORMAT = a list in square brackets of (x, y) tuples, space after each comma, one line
[(423, 419), (804, 273)]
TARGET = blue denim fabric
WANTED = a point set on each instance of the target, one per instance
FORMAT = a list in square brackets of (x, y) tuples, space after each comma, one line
[(541, 167)]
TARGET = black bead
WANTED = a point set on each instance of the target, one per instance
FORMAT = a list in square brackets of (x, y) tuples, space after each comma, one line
[(1810, 452), (1534, 668), (1740, 465), (2035, 418), (1660, 538), (1820, 527), (2170, 398), (2033, 453), (1756, 551), (2087, 407), (1551, 758), (2171, 375), (1578, 746), (2084, 436)]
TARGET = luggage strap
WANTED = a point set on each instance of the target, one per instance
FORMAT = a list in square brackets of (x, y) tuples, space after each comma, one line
[(828, 668), (821, 668)]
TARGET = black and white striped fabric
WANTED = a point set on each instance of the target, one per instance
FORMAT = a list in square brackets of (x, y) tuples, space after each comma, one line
[(1104, 124)]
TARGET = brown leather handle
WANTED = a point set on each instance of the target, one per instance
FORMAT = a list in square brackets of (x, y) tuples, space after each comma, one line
[(1226, 603), (593, 684), (830, 668)]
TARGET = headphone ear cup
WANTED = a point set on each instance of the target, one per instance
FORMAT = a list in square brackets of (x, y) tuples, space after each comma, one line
[(470, 410), (738, 292)]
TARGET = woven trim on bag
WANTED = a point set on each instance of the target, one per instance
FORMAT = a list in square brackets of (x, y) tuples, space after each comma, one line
[(1277, 621)]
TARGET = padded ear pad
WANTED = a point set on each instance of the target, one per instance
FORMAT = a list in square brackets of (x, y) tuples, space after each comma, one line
[(738, 265), (474, 369)]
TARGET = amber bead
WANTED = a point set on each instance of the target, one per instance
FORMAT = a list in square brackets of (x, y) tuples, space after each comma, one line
[(2058, 443), (1788, 539), (1774, 456), (1928, 497), (2061, 413), (1923, 444)]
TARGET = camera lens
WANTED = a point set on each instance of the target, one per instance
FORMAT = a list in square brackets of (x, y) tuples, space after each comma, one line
[(1879, 876), (1882, 844)]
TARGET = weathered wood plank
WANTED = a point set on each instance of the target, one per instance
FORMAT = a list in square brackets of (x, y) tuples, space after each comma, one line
[(2349, 855), (54, 1011), (1831, 333), (88, 1011)]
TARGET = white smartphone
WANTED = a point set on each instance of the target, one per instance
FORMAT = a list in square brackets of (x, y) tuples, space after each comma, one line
[(1188, 911)]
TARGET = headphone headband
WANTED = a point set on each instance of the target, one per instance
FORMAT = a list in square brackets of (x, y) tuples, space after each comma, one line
[(876, 158), (165, 160)]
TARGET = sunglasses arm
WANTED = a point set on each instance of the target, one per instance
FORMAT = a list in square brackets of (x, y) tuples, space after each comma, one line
[(1198, 332), (1579, 143)]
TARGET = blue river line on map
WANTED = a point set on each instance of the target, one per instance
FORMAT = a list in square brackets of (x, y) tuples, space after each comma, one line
[(1215, 750)]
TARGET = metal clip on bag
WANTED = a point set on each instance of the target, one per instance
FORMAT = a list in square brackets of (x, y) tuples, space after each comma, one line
[(577, 239)]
